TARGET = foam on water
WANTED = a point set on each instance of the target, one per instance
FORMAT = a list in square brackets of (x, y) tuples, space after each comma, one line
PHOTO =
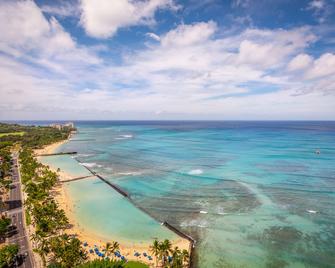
[(90, 165), (195, 172)]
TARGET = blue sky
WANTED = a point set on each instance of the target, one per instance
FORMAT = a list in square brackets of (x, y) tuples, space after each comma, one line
[(167, 59)]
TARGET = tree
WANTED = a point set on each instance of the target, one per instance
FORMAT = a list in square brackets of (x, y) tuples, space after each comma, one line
[(7, 255), (155, 250), (185, 257), (41, 246), (110, 248), (177, 261), (67, 251), (165, 249), (4, 224)]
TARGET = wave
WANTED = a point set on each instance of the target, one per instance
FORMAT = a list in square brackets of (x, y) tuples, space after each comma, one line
[(134, 173), (194, 223), (124, 137), (84, 155), (90, 165), (312, 211), (195, 172), (220, 211)]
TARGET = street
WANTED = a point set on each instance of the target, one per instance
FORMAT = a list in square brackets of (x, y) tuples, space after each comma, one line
[(15, 212)]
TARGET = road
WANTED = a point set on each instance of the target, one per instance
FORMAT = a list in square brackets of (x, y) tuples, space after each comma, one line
[(16, 213)]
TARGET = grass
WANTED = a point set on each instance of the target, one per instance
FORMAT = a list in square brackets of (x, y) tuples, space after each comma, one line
[(136, 264), (12, 133)]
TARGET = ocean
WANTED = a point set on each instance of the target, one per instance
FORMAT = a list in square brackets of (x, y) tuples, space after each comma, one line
[(252, 194)]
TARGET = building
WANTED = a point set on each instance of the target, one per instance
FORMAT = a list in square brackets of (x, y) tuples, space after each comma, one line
[(61, 126), (58, 126), (69, 124)]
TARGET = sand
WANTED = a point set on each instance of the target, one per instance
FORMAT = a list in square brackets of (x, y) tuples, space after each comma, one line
[(64, 200)]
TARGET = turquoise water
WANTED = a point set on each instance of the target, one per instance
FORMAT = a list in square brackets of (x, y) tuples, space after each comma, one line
[(253, 194), (109, 215), (66, 163), (104, 212)]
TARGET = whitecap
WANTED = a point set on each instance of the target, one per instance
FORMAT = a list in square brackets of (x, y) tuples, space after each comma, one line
[(90, 165), (203, 212), (194, 223), (312, 211), (134, 173), (124, 137), (84, 155), (195, 172)]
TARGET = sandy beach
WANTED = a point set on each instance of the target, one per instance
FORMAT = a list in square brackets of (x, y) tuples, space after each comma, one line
[(66, 203)]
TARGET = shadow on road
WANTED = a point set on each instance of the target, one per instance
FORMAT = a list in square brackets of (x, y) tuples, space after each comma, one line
[(13, 204)]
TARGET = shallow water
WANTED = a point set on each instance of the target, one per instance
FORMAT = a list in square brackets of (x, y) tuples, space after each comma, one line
[(104, 212), (253, 194)]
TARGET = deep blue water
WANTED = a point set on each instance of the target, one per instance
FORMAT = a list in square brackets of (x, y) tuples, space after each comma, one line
[(253, 194)]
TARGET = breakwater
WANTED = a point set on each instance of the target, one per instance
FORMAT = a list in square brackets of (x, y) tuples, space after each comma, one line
[(164, 223), (77, 178), (60, 153)]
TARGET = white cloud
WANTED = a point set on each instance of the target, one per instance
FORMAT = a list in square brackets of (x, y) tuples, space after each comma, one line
[(27, 34), (323, 66), (321, 9), (103, 18), (193, 71), (153, 36), (316, 4), (185, 35), (300, 62), (63, 9)]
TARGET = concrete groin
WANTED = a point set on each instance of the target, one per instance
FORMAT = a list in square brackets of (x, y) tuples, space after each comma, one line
[(83, 140), (77, 179), (183, 235), (61, 153), (116, 188)]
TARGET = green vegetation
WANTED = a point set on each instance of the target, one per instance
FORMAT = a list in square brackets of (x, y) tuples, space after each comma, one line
[(21, 133), (174, 258), (110, 248), (4, 224), (66, 251), (112, 264), (135, 264), (102, 264), (34, 136), (7, 255), (41, 210), (48, 219)]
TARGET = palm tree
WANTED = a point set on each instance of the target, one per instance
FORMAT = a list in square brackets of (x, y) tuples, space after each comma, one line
[(155, 250), (107, 249), (42, 246), (165, 249), (185, 257), (110, 248), (176, 258)]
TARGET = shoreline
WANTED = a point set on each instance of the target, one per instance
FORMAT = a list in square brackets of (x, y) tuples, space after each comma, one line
[(66, 203)]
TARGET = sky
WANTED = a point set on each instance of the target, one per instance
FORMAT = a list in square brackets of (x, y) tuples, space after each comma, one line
[(167, 59)]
